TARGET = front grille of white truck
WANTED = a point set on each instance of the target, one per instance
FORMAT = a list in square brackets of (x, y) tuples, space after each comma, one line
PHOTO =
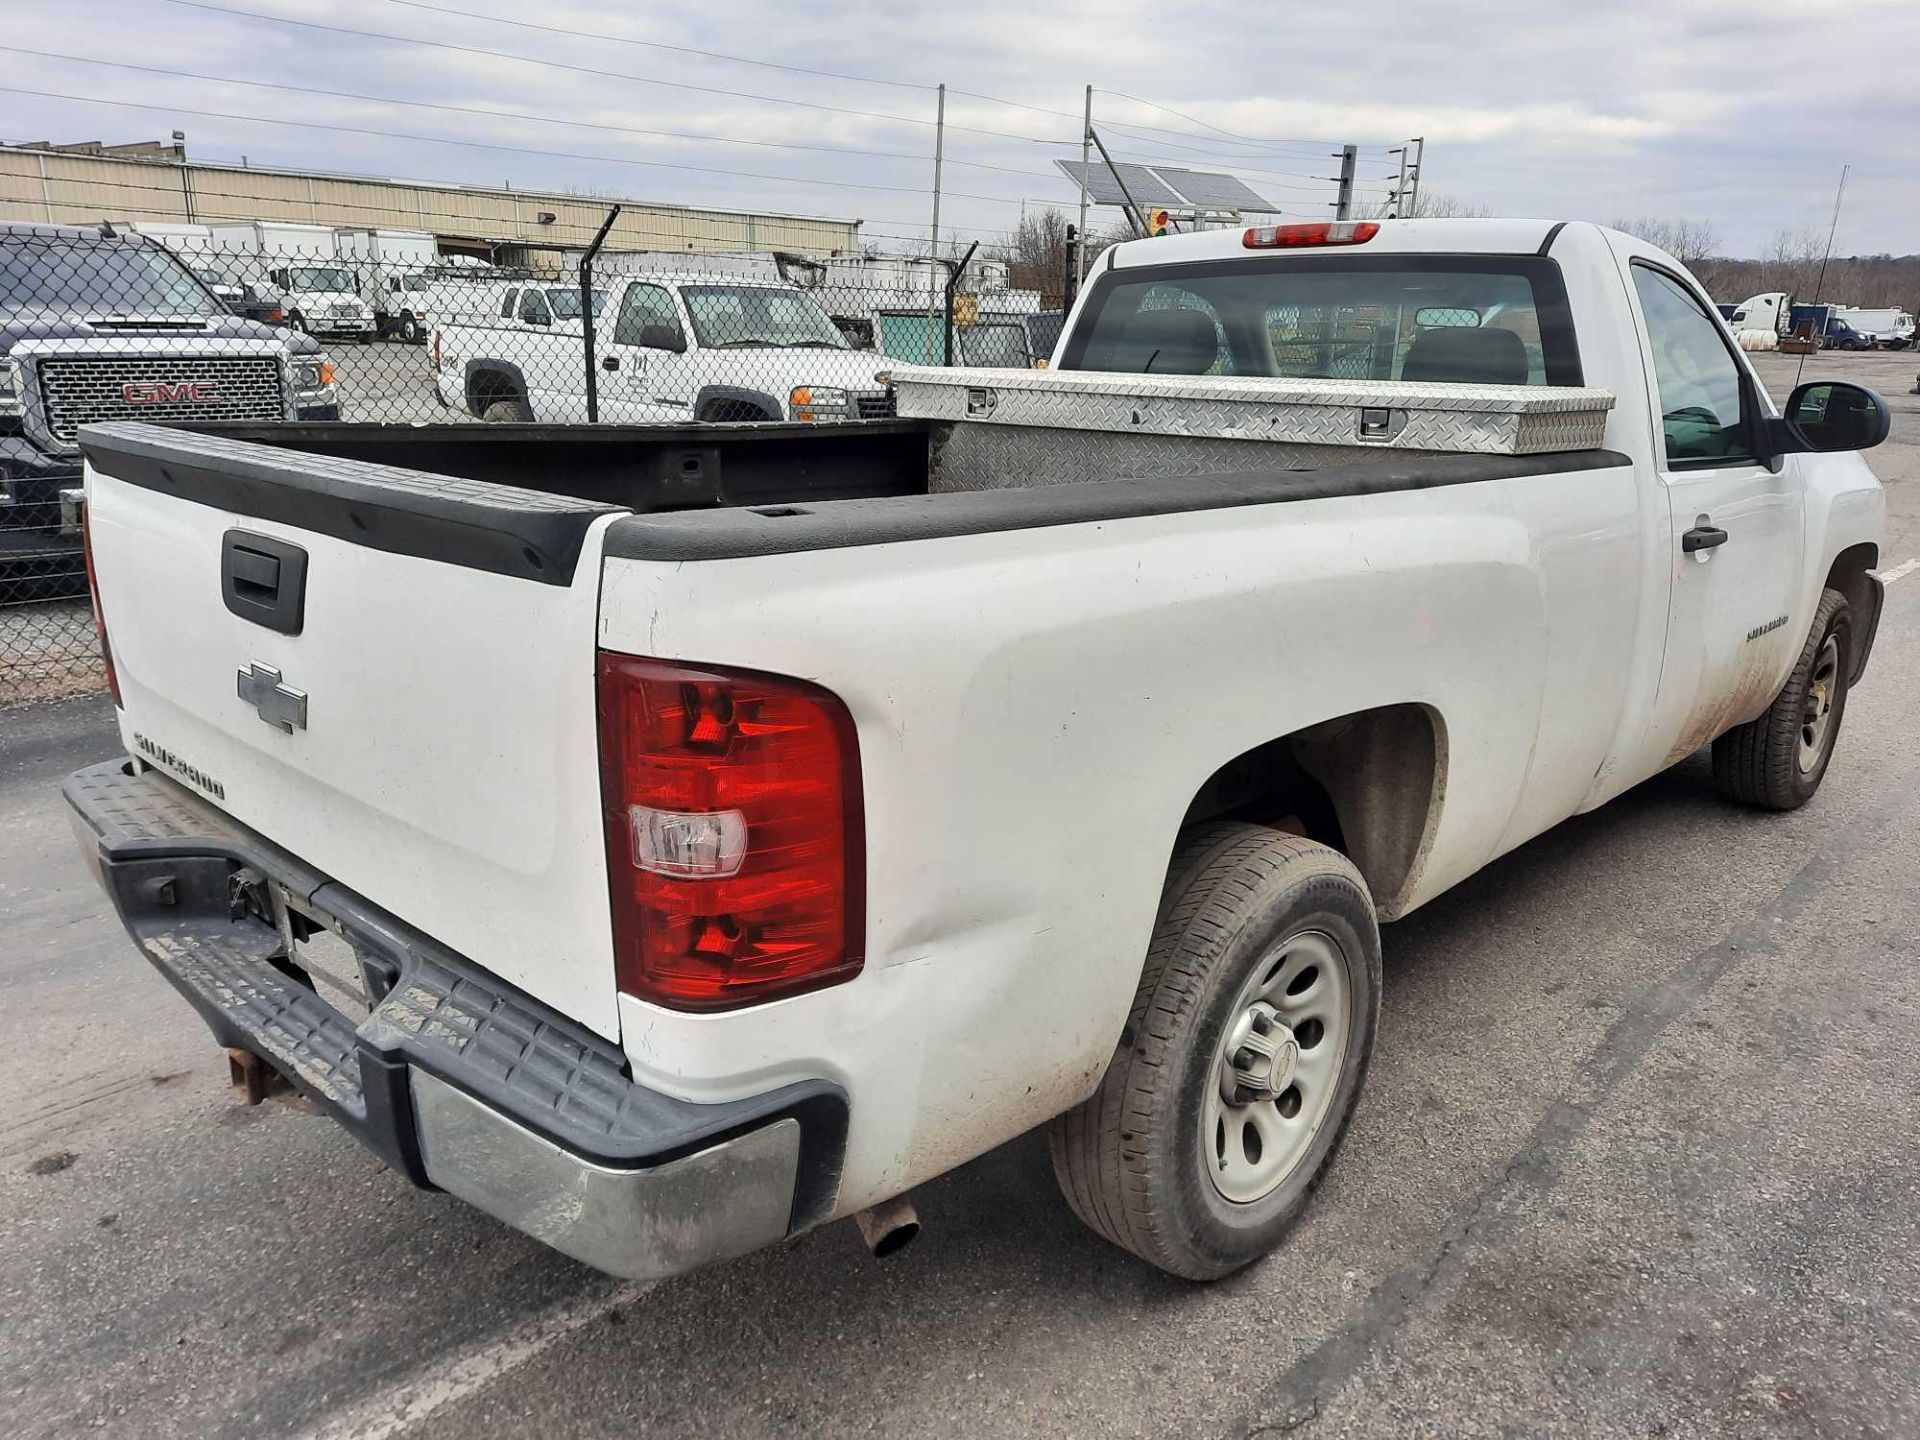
[(76, 391), (874, 405)]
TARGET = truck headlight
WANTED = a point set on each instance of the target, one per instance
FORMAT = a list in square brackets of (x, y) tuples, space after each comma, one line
[(312, 373), (9, 387), (819, 402)]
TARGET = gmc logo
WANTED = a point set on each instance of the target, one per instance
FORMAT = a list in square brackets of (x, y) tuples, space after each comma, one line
[(162, 392)]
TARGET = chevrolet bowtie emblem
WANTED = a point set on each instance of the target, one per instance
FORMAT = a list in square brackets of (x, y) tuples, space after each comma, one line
[(279, 705)]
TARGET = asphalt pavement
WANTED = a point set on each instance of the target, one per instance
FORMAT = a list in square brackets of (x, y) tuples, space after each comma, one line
[(1639, 1156)]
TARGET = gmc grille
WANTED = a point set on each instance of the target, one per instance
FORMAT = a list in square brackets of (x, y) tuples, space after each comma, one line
[(874, 405), (83, 391)]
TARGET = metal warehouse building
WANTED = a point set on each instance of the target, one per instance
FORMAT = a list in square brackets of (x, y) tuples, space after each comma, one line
[(58, 186)]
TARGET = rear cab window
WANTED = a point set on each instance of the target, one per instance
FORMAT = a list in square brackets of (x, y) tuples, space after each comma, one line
[(1496, 319)]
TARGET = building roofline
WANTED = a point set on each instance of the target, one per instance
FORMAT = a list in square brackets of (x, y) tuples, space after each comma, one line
[(500, 190)]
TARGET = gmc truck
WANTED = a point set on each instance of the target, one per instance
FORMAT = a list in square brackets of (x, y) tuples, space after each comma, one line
[(96, 325), (669, 839)]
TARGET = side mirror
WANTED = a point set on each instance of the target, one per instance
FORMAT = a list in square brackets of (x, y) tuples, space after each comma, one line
[(1836, 415), (661, 337)]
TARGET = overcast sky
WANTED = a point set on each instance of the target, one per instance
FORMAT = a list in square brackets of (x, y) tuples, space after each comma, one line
[(1735, 112)]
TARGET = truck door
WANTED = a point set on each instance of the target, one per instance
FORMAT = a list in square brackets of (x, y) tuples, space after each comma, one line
[(646, 375), (1736, 522)]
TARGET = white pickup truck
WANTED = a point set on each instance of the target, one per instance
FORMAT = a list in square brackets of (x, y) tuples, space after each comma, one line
[(671, 839), (669, 349)]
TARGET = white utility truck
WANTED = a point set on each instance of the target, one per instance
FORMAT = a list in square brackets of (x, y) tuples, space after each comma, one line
[(669, 839), (1887, 326), (669, 348)]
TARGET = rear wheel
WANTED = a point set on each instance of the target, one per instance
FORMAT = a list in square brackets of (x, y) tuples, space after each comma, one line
[(507, 412), (1242, 1056), (410, 329), (1779, 760)]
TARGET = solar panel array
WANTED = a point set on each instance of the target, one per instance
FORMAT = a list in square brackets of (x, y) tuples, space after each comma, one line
[(1156, 186)]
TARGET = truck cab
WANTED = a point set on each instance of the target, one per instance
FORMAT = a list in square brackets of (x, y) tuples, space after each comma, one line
[(322, 297)]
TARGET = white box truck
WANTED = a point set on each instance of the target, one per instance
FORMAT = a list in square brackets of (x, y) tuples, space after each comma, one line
[(302, 262), (383, 262)]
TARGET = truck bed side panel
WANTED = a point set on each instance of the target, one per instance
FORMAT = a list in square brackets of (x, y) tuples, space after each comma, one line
[(1036, 709)]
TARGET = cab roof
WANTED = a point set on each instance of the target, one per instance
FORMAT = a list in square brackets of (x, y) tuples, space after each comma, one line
[(1449, 237)]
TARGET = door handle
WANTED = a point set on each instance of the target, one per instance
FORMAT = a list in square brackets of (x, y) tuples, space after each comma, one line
[(610, 362), (1703, 537)]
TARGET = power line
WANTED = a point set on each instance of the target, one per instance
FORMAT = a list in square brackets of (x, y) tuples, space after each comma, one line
[(504, 149), (1209, 125), (464, 14), (604, 74), (732, 59), (511, 114)]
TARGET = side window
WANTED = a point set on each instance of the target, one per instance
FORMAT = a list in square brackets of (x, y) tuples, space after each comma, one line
[(533, 308), (1703, 409), (646, 318), (507, 302)]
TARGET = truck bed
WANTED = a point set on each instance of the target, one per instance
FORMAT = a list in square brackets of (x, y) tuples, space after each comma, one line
[(518, 499)]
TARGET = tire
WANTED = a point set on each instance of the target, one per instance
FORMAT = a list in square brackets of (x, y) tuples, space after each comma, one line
[(1778, 761), (410, 329), (507, 412), (1136, 1162), (297, 321)]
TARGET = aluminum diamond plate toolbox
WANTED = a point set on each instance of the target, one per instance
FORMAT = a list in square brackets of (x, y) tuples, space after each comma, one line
[(1391, 414)]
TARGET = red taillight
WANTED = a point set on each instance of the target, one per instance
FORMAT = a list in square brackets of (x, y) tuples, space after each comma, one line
[(93, 594), (1317, 232), (735, 840)]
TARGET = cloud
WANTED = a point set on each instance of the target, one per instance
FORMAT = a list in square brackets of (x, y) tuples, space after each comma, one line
[(1718, 110)]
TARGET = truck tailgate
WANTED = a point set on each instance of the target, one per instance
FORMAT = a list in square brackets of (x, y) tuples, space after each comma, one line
[(386, 672)]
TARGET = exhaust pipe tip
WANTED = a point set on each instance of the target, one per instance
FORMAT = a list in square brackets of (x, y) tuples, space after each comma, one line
[(889, 1227)]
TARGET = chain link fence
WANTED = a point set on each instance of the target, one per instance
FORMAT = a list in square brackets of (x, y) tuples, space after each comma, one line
[(310, 324)]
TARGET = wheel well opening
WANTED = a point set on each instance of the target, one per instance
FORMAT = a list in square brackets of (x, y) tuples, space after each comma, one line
[(1368, 784), (731, 410), (486, 386), (1849, 577)]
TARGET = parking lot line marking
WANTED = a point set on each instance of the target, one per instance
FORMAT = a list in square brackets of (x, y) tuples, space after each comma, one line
[(1905, 567), (397, 1409)]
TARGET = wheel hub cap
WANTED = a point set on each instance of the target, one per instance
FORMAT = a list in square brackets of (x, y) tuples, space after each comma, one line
[(1263, 1065), (1278, 1065)]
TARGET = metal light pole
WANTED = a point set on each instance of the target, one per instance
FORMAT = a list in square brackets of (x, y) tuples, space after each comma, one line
[(933, 258), (1086, 159)]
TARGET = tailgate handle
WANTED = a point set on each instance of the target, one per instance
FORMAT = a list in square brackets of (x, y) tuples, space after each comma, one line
[(264, 580)]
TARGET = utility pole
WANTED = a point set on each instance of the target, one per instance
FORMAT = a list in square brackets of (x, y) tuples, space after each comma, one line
[(1086, 159), (933, 259), (1399, 186), (1343, 207), (1419, 167)]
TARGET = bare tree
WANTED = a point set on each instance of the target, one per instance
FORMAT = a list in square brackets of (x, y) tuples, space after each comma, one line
[(1688, 241), (1036, 251), (1438, 205)]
